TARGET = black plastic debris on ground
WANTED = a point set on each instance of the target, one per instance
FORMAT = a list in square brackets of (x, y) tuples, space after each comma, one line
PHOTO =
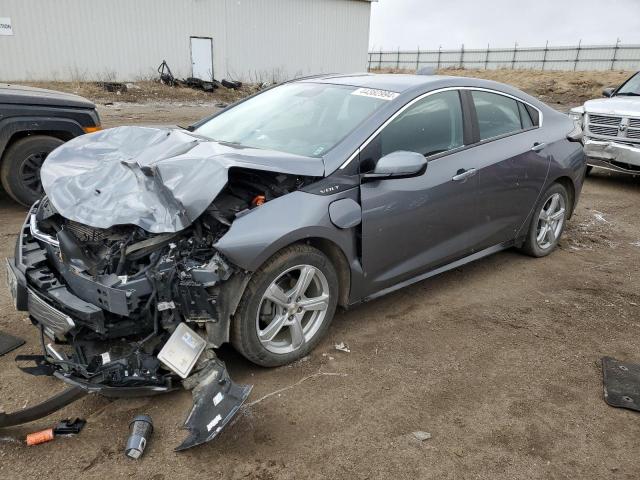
[(9, 343), (167, 78), (621, 383), (113, 86)]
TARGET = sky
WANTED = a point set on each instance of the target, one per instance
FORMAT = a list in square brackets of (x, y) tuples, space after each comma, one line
[(428, 24)]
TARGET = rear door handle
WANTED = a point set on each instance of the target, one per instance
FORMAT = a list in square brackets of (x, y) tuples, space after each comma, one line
[(538, 146), (463, 174)]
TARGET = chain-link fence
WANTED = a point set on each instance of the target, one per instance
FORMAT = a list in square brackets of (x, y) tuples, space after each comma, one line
[(579, 57)]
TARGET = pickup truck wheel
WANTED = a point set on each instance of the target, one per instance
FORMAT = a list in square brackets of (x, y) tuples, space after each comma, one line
[(21, 163), (287, 307)]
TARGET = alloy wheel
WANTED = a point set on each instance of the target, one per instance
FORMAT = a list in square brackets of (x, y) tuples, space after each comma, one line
[(292, 309), (29, 173), (550, 221)]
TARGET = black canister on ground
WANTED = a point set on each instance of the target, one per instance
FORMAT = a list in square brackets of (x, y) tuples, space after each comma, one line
[(140, 430)]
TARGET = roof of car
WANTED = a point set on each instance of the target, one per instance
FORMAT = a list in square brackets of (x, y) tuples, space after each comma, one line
[(383, 81), (404, 83)]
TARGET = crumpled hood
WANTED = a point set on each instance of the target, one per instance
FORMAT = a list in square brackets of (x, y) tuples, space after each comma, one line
[(158, 179), (622, 106)]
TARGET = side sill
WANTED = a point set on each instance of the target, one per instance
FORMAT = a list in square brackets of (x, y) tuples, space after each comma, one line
[(445, 268)]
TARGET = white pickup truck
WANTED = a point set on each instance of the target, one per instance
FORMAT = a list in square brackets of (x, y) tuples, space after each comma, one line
[(611, 128)]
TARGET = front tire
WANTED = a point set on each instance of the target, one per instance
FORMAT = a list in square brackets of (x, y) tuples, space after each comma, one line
[(286, 308), (21, 163), (548, 222)]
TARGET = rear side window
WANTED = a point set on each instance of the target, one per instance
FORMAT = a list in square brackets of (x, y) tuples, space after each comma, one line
[(432, 125), (524, 116), (497, 114)]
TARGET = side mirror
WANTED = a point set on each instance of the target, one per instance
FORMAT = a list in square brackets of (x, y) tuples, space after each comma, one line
[(608, 92), (399, 164)]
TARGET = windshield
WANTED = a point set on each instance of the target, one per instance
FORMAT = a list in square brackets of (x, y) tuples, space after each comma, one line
[(300, 118), (631, 87)]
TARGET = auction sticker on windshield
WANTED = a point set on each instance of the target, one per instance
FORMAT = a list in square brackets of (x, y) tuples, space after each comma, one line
[(375, 93)]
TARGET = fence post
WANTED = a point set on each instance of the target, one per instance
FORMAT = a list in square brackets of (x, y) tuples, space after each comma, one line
[(486, 58), (380, 59), (398, 60), (544, 58), (418, 59), (513, 60), (439, 53), (615, 53), (575, 63), (462, 57)]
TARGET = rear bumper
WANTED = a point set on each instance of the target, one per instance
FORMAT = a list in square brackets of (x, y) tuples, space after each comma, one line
[(620, 157)]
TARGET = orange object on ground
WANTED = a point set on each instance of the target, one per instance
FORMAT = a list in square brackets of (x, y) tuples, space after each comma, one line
[(43, 436)]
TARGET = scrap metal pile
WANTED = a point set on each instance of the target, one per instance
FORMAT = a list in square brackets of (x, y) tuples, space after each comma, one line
[(167, 78)]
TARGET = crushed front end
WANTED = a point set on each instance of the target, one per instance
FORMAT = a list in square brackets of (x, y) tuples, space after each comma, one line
[(123, 312), (117, 266)]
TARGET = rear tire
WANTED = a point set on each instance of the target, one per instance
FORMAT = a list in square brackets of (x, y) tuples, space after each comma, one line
[(547, 225), (275, 324), (21, 163)]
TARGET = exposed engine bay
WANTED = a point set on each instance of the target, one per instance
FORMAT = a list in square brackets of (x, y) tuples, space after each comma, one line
[(123, 311)]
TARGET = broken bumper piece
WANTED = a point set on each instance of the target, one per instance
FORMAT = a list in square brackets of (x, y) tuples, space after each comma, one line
[(216, 400), (620, 157)]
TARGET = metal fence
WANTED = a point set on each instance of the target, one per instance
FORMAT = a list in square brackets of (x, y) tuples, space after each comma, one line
[(578, 57)]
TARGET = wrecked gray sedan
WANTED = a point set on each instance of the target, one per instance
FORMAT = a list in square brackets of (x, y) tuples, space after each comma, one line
[(153, 247)]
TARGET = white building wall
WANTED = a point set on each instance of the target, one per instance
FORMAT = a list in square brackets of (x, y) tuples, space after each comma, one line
[(128, 39)]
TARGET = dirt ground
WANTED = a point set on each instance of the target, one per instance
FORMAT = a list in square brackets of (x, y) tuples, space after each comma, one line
[(497, 360)]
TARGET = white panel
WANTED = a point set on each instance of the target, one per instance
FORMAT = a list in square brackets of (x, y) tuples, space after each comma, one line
[(127, 40)]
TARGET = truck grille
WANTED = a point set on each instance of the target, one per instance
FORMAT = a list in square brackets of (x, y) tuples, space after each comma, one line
[(635, 134), (614, 127), (52, 318), (604, 120), (605, 131)]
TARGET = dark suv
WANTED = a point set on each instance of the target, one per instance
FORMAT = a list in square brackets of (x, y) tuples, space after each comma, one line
[(33, 122)]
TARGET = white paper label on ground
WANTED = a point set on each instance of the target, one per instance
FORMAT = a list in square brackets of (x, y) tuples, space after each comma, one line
[(375, 93), (5, 26)]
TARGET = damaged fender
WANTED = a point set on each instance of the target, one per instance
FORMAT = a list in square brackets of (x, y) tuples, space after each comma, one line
[(263, 233)]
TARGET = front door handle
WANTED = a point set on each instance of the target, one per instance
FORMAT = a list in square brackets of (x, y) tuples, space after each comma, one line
[(463, 174), (538, 146)]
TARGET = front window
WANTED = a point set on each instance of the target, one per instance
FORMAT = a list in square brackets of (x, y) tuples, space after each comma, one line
[(631, 88), (300, 118), (431, 126)]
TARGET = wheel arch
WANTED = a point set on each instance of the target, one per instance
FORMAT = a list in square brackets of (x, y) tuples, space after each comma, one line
[(14, 129), (568, 185), (339, 261), (334, 253)]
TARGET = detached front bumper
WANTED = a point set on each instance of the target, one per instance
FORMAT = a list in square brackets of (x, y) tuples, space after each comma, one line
[(612, 155)]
